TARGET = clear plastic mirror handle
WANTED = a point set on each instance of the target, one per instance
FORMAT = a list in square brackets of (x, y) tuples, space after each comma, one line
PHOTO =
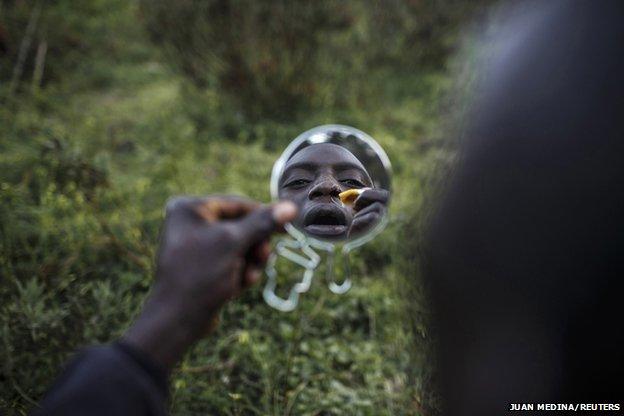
[(339, 288), (285, 248), (271, 298)]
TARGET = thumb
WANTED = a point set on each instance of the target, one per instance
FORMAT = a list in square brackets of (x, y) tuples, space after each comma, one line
[(262, 222)]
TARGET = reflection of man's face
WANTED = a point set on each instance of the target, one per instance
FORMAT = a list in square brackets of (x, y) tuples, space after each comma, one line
[(313, 178)]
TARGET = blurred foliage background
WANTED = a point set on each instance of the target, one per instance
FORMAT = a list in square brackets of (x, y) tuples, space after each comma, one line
[(110, 107)]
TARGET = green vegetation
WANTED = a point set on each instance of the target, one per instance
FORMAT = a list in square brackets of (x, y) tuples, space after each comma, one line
[(101, 131)]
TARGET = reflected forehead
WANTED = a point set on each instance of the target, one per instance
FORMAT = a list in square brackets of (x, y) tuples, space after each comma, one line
[(324, 154)]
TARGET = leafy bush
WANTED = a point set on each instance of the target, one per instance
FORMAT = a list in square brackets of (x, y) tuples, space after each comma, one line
[(278, 59), (87, 163), (271, 58), (79, 224), (42, 41)]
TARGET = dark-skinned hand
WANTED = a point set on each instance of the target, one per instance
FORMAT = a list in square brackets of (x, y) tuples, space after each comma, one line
[(369, 208), (210, 250)]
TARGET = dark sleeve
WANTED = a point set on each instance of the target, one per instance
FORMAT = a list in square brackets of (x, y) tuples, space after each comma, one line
[(115, 379)]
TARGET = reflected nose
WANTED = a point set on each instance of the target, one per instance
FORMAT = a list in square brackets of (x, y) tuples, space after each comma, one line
[(325, 188)]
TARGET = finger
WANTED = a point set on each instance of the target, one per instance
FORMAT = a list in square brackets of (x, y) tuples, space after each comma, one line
[(251, 276), (364, 222), (180, 215), (258, 254), (377, 207), (366, 219), (258, 225), (210, 208), (369, 196), (261, 253), (255, 261), (180, 205), (224, 207)]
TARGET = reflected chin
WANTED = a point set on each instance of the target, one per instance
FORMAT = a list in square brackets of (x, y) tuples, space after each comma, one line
[(333, 231)]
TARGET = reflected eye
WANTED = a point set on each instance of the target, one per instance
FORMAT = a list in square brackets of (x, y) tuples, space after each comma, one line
[(352, 183), (297, 183)]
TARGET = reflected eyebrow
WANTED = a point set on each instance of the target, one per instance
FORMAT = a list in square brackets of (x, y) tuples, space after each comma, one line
[(312, 166), (338, 167)]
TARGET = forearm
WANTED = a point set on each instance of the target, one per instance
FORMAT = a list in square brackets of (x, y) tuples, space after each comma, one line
[(164, 332)]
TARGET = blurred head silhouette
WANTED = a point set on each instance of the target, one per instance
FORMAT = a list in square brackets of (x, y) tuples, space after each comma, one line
[(525, 254)]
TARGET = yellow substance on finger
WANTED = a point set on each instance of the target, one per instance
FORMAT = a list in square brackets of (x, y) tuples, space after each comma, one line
[(349, 196)]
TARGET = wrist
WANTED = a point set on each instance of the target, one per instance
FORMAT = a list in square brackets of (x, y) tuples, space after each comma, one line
[(163, 333)]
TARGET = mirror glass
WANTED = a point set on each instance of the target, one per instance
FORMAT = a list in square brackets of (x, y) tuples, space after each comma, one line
[(340, 178)]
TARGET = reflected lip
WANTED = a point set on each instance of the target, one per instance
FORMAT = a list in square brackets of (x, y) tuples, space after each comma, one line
[(326, 229), (326, 219)]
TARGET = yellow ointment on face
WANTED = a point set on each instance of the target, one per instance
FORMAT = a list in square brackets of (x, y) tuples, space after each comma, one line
[(349, 196)]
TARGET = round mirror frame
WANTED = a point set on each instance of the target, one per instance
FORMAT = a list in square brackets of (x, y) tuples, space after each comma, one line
[(278, 167)]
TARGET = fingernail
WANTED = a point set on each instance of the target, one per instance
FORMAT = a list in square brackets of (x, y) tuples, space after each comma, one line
[(284, 211)]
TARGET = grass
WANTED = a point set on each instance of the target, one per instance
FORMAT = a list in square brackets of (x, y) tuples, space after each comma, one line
[(87, 165)]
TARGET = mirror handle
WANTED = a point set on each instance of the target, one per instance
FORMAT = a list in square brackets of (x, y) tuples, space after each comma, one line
[(342, 288), (285, 248)]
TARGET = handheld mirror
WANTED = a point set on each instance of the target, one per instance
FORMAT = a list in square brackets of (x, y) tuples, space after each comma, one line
[(340, 179)]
